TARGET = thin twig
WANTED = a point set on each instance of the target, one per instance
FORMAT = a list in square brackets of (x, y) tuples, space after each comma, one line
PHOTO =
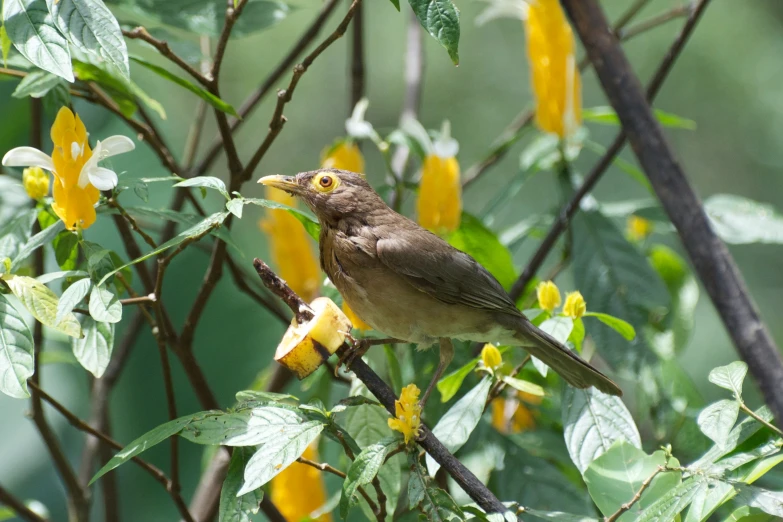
[(637, 496), (655, 21), (357, 57), (144, 299), (249, 105), (18, 507), (80, 425), (112, 202), (284, 96), (756, 416), (163, 48), (570, 209)]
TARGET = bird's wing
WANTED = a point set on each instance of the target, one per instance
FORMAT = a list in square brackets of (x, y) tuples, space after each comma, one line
[(433, 266)]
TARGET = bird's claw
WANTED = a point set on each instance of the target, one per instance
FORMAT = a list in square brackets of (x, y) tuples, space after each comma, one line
[(358, 348)]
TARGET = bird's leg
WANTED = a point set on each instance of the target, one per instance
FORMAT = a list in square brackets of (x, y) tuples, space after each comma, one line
[(446, 355), (359, 347)]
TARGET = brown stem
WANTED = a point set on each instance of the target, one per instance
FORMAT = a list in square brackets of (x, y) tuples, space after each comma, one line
[(570, 209), (249, 105), (710, 257), (462, 475), (163, 48), (284, 96), (357, 57), (637, 496), (744, 407)]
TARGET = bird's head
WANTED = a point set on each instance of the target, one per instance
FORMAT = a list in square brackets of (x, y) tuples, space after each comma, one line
[(331, 194)]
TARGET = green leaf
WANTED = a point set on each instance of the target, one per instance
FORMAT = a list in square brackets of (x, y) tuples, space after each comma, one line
[(143, 443), (741, 433), (455, 426), (235, 508), (195, 232), (235, 206), (99, 262), (206, 182), (37, 241), (450, 384), (577, 336), (244, 428), (441, 19), (617, 280), (42, 304), (105, 306), (558, 516), (207, 17), (614, 478), (277, 454), (747, 514), (616, 324), (717, 420), (730, 377), (16, 352), (560, 328), (91, 27), (30, 27), (673, 502), (198, 91), (66, 249), (15, 233), (5, 44), (593, 422), (363, 470), (396, 4), (54, 276), (417, 483), (473, 238), (739, 220), (768, 501), (606, 115), (93, 351), (71, 298), (36, 85), (367, 425), (308, 220), (523, 386), (262, 396)]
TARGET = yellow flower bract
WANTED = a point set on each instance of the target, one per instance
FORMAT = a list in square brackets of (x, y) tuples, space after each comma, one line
[(512, 415), (35, 182), (639, 228), (299, 489), (575, 306), (555, 77), (439, 206), (491, 356), (408, 413), (291, 247), (344, 156), (548, 295), (73, 204)]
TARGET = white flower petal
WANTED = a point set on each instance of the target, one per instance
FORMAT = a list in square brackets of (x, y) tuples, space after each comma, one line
[(75, 150), (114, 145), (102, 178), (90, 165), (28, 157)]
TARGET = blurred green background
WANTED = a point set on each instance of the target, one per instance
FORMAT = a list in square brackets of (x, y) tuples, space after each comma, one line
[(728, 80)]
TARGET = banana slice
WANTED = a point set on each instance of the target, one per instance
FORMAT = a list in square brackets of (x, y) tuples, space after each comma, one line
[(307, 346)]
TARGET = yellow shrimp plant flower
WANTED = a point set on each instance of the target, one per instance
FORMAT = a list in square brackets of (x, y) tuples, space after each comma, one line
[(291, 247), (299, 489), (78, 178), (548, 295), (35, 182), (407, 413), (575, 306), (345, 155), (439, 206), (512, 414), (639, 228)]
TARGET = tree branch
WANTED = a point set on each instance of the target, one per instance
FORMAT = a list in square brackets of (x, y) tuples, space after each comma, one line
[(18, 507), (252, 102), (462, 475), (709, 255), (570, 209), (357, 57), (163, 48)]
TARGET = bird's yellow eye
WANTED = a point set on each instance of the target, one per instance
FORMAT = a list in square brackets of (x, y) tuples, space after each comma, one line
[(325, 182)]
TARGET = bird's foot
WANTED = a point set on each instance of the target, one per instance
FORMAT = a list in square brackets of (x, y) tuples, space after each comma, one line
[(358, 348)]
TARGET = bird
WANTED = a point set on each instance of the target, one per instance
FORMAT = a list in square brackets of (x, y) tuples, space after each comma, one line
[(410, 284)]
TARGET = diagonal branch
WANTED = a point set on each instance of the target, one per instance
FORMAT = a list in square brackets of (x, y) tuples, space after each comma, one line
[(709, 255), (18, 507), (462, 475), (570, 209)]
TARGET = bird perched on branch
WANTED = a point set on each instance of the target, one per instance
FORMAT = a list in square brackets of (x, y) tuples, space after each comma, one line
[(410, 284)]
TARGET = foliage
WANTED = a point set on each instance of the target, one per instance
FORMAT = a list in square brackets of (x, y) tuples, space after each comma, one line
[(542, 448)]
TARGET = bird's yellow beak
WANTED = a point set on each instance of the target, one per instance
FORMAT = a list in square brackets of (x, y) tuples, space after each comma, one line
[(287, 183)]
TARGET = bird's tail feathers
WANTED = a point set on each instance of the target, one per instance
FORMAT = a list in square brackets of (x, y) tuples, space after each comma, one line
[(576, 371)]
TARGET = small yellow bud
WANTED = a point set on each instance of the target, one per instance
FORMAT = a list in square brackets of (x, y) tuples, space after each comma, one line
[(548, 295), (356, 321), (575, 306), (491, 357), (639, 228), (408, 413), (36, 182)]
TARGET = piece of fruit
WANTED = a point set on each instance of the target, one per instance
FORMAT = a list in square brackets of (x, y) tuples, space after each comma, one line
[(307, 346)]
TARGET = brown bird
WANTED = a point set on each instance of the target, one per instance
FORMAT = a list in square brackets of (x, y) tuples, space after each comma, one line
[(408, 283)]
